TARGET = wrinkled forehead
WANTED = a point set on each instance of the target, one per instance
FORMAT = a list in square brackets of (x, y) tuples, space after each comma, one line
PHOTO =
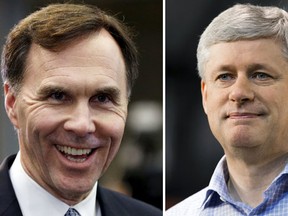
[(97, 50)]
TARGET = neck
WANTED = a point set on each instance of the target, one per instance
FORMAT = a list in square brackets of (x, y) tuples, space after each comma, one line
[(248, 182)]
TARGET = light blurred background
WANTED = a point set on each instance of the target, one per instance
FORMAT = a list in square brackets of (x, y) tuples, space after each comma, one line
[(137, 170), (191, 151)]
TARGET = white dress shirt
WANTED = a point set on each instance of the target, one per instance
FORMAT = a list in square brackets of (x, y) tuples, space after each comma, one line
[(35, 200)]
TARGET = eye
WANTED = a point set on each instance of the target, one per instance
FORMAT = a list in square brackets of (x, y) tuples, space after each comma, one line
[(225, 77), (108, 96), (58, 96), (261, 76), (102, 98)]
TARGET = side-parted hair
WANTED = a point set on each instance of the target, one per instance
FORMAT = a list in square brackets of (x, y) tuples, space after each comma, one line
[(243, 22), (56, 26)]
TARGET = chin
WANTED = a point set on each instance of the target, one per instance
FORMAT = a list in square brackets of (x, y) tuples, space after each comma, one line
[(75, 187), (243, 148), (73, 194), (241, 137)]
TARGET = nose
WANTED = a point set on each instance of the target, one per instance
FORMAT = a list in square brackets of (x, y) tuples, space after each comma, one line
[(80, 120), (241, 91)]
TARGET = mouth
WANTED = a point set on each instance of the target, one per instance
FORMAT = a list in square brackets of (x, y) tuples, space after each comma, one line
[(77, 155), (243, 115)]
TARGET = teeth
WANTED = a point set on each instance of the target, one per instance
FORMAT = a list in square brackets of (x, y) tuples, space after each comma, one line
[(78, 160), (73, 151)]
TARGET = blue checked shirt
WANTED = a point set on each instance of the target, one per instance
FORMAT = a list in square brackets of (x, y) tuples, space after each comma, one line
[(215, 199)]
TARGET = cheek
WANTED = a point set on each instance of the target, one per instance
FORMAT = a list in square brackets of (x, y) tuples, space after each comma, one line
[(111, 123), (214, 103), (36, 126), (42, 124), (208, 98), (37, 117), (114, 130), (36, 153)]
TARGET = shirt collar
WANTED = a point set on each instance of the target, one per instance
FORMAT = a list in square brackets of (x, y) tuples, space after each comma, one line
[(217, 185), (35, 200), (220, 177), (217, 191), (284, 171)]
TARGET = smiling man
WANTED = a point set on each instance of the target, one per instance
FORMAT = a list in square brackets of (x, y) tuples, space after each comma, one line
[(68, 71), (243, 65)]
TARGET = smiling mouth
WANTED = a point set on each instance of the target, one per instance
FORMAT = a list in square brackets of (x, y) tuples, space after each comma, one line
[(74, 154)]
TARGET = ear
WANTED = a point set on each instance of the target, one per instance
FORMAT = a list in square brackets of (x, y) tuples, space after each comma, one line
[(204, 95), (10, 101)]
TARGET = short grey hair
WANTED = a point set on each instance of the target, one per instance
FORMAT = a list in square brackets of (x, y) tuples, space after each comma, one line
[(243, 22)]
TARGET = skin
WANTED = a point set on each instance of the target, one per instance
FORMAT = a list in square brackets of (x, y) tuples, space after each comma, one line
[(78, 98), (244, 92)]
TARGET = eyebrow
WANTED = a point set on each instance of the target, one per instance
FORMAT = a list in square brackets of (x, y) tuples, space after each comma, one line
[(249, 68), (49, 89), (256, 66), (226, 68), (113, 91)]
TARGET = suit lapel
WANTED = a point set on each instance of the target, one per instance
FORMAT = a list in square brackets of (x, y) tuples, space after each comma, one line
[(103, 200), (110, 203), (9, 205)]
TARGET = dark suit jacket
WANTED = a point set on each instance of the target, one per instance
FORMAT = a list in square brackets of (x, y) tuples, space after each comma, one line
[(111, 203)]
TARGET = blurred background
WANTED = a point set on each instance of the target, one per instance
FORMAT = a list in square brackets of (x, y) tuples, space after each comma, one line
[(192, 152), (137, 170)]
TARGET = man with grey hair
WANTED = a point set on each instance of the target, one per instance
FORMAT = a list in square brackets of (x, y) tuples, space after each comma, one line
[(242, 62)]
